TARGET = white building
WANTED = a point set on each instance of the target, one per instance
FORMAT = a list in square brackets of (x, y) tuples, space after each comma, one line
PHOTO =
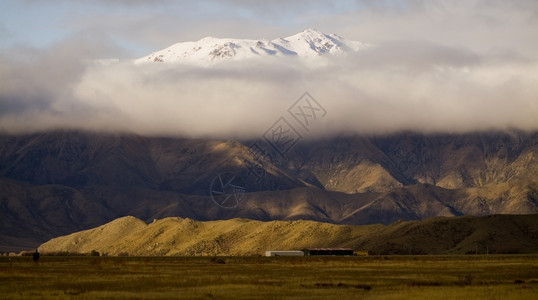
[(284, 253)]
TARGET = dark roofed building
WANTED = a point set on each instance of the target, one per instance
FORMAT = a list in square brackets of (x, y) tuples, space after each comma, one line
[(327, 251)]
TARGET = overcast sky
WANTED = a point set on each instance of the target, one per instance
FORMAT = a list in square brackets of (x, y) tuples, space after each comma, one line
[(437, 66)]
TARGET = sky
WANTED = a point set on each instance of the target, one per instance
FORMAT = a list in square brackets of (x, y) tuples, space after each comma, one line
[(437, 66)]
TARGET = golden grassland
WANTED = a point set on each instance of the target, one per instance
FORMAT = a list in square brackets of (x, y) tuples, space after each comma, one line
[(370, 277), (496, 234)]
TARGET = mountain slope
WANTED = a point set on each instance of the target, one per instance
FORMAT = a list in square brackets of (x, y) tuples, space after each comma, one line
[(177, 236), (448, 161)]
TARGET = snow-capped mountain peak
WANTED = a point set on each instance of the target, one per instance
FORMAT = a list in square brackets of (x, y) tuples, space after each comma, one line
[(313, 42), (309, 44)]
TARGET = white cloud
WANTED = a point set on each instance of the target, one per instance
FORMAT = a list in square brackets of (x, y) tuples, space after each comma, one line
[(439, 66)]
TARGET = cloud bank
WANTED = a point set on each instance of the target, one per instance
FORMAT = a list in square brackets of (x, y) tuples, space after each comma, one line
[(420, 87), (436, 68)]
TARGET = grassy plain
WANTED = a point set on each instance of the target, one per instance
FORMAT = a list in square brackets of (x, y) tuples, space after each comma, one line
[(372, 277)]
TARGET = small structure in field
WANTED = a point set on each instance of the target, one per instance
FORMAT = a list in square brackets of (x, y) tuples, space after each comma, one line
[(284, 253), (328, 251), (35, 256)]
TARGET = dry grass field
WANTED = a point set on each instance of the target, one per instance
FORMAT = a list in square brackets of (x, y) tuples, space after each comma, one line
[(371, 277)]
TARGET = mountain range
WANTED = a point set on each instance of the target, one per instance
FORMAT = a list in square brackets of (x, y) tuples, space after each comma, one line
[(56, 183), (309, 45)]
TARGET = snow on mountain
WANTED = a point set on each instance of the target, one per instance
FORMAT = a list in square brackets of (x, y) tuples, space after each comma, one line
[(310, 44)]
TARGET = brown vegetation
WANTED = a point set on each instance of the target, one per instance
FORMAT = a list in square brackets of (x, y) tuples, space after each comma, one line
[(373, 277)]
